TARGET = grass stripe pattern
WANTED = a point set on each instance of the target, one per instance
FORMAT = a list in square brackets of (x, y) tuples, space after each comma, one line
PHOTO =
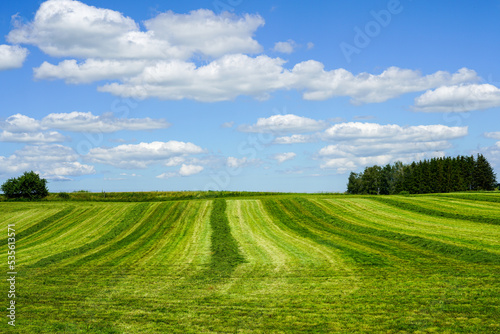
[(265, 263)]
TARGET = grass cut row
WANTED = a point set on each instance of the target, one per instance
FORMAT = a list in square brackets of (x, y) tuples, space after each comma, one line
[(257, 264)]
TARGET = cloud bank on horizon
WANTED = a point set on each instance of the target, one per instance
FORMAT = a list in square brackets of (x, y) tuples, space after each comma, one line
[(211, 58)]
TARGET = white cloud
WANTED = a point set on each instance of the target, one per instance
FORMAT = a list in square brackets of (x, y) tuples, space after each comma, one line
[(284, 124), (188, 170), (493, 135), (202, 31), (28, 129), (310, 45), (12, 56), (459, 98), (296, 139), (282, 157), (143, 154), (175, 161), (319, 84), (19, 128), (351, 163), (38, 137), (222, 79), (87, 122), (285, 47), (185, 170), (51, 161), (233, 162), (20, 123), (66, 28), (392, 132), (237, 74), (381, 149), (227, 125), (90, 70), (166, 175), (161, 61), (363, 144)]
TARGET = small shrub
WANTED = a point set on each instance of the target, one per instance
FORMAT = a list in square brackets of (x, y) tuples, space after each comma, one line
[(63, 195), (404, 193)]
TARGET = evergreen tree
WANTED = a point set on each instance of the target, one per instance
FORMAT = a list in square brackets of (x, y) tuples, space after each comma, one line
[(484, 177)]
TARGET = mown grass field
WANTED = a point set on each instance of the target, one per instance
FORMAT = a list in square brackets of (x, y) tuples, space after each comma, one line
[(257, 264)]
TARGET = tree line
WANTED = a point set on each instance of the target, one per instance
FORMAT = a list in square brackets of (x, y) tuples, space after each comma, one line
[(437, 175)]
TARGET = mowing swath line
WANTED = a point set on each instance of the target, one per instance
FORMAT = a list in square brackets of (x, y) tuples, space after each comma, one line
[(454, 251), (45, 223), (491, 198), (154, 226), (465, 207), (354, 240), (400, 203), (283, 211), (383, 216), (265, 243), (86, 231), (188, 242), (225, 250), (119, 245), (134, 215), (24, 216), (256, 248), (79, 215)]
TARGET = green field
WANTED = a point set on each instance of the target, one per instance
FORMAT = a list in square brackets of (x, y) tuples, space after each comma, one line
[(257, 264)]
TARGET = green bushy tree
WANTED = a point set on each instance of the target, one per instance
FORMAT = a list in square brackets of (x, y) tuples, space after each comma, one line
[(27, 186)]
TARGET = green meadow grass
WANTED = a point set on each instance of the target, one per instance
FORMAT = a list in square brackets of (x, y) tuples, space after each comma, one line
[(256, 263)]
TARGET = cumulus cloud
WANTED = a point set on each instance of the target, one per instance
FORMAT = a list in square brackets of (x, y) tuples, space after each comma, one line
[(282, 157), (87, 122), (459, 98), (296, 139), (235, 163), (20, 123), (143, 154), (188, 170), (38, 137), (185, 170), (319, 84), (21, 126), (493, 135), (236, 74), (163, 60), (66, 28), (51, 161), (392, 132), (23, 129), (12, 56), (285, 47), (284, 124), (361, 144), (201, 31), (222, 79), (90, 70)]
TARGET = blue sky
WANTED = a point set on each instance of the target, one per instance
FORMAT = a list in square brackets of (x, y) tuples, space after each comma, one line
[(242, 95)]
